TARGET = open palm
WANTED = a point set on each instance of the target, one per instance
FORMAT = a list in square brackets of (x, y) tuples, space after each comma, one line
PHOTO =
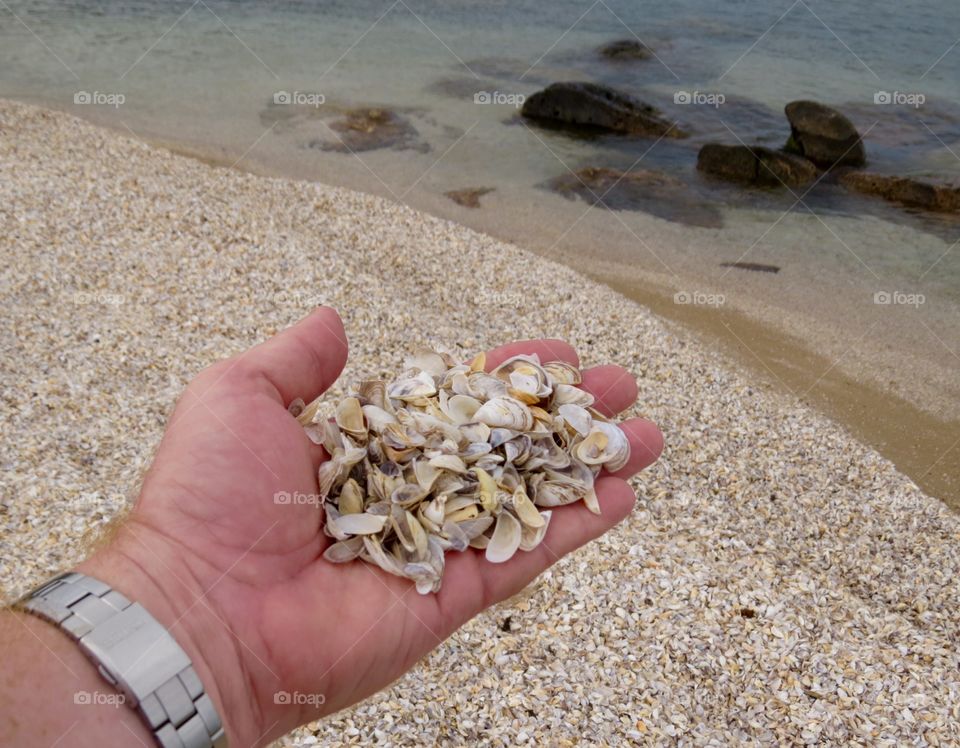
[(228, 525)]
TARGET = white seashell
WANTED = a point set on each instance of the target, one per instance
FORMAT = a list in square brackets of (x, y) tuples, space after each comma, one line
[(351, 498), (506, 412), (461, 408), (377, 417), (427, 361), (350, 418), (412, 388), (567, 393), (577, 416), (618, 445), (560, 372), (359, 524), (505, 540), (531, 537), (344, 550), (527, 513), (449, 462)]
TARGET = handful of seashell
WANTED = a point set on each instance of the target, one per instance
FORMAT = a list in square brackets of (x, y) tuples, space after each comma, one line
[(450, 457)]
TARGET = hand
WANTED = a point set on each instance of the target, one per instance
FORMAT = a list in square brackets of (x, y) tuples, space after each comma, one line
[(239, 578)]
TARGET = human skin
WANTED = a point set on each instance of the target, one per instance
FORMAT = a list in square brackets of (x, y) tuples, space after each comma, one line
[(238, 578)]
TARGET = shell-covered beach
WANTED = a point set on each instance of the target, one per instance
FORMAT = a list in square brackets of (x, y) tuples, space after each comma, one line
[(779, 582)]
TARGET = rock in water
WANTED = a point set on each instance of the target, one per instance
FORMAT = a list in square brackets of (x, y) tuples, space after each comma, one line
[(755, 165), (371, 128), (468, 197), (823, 135), (646, 190), (626, 49), (942, 198), (591, 105)]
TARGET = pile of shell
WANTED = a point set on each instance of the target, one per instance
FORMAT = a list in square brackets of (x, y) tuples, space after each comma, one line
[(449, 456)]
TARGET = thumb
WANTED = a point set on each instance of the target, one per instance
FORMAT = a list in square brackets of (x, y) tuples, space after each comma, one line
[(303, 360)]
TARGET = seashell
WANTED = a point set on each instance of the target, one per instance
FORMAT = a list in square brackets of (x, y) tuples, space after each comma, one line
[(412, 388), (478, 362), (449, 462), (350, 418), (484, 386), (500, 436), (344, 550), (577, 417), (526, 379), (407, 494), (458, 538), (374, 392), (591, 502), (527, 513), (373, 550), (476, 527), (425, 473), (359, 524), (377, 418), (461, 408), (474, 451), (505, 540), (351, 498), (517, 450), (488, 490), (567, 393), (505, 412), (606, 445), (560, 372), (428, 361), (531, 537), (475, 431)]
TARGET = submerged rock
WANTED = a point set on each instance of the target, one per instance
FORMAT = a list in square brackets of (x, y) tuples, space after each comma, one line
[(757, 267), (823, 135), (371, 128), (591, 105), (649, 191), (469, 197), (626, 49), (756, 165), (941, 198)]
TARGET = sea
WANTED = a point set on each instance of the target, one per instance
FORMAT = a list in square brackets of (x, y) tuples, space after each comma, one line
[(275, 87)]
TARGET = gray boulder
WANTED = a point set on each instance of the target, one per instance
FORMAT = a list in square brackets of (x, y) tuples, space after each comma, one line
[(823, 135), (590, 105), (755, 165)]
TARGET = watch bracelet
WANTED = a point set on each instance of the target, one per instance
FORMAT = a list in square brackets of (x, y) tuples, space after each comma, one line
[(135, 653)]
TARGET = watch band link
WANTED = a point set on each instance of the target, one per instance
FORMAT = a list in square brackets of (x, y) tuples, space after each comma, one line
[(135, 653)]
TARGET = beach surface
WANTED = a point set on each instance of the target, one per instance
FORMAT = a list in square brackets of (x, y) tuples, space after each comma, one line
[(779, 582)]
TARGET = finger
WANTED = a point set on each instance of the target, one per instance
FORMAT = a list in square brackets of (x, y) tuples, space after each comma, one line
[(472, 583), (646, 444), (614, 388), (548, 349), (303, 360)]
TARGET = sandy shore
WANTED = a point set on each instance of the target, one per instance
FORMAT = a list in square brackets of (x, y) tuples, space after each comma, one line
[(779, 583)]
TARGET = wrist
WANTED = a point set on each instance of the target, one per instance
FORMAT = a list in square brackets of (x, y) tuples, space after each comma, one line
[(148, 569)]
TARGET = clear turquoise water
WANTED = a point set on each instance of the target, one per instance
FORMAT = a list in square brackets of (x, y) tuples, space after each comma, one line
[(205, 74)]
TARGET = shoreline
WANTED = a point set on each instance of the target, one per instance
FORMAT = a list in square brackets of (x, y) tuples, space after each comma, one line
[(911, 437), (906, 435)]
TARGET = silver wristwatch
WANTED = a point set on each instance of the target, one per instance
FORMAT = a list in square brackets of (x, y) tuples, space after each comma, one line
[(134, 653)]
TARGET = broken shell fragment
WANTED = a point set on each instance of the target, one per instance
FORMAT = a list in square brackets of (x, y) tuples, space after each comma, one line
[(447, 457)]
